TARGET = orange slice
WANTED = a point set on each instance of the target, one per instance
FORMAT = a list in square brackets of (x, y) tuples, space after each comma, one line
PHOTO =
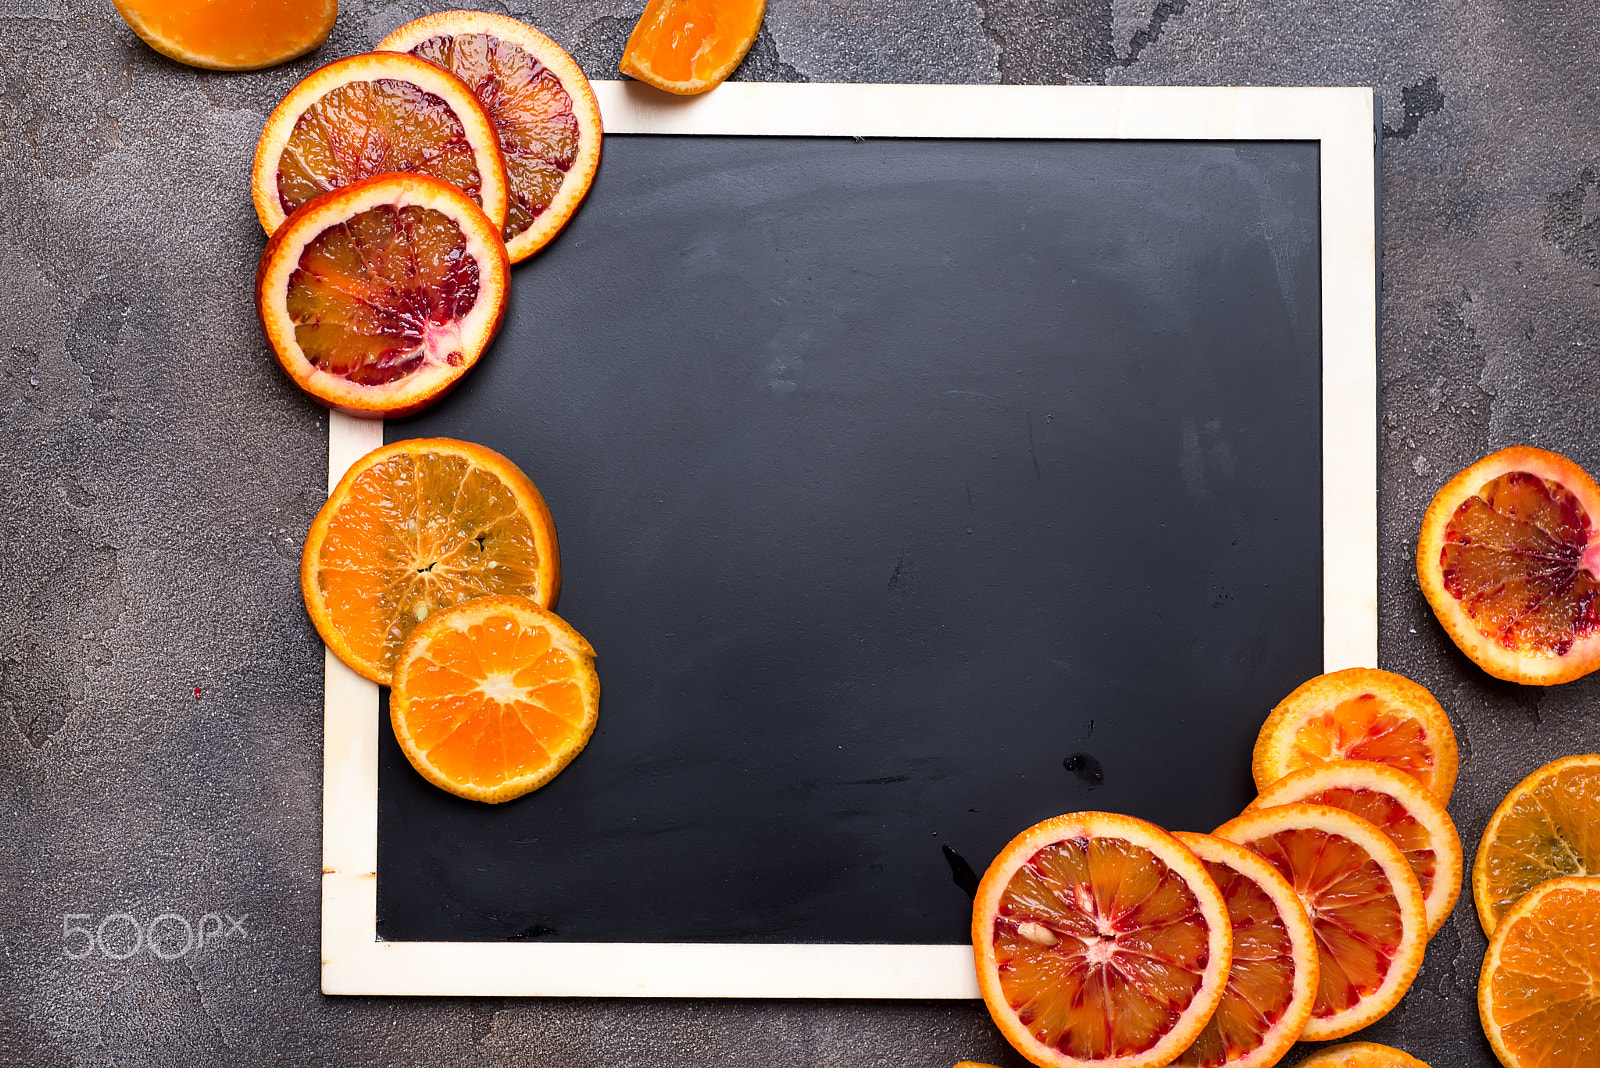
[(1547, 827), (1509, 560), (1272, 983), (1359, 714), (1539, 990), (376, 113), (1100, 940), (1396, 804), (230, 34), (414, 527), (493, 697), (542, 107), (1361, 1055), (1364, 903), (378, 297), (689, 46)]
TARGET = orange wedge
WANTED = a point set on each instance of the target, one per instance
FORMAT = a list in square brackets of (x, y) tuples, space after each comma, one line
[(1100, 940), (1510, 561), (1547, 827), (1361, 1055), (371, 114), (542, 107), (1396, 804), (230, 34), (378, 297), (493, 697), (1364, 902), (415, 527), (1272, 983), (689, 46), (1359, 714), (1539, 989)]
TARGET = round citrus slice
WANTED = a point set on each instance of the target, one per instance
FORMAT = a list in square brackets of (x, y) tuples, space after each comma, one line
[(378, 297), (1509, 560), (1364, 902), (1272, 983), (1361, 1055), (541, 104), (1547, 827), (1539, 990), (370, 114), (1100, 940), (689, 46), (230, 34), (1400, 807), (493, 697), (1359, 714), (414, 527)]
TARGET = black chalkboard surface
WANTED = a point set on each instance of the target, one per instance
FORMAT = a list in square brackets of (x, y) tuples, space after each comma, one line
[(911, 491)]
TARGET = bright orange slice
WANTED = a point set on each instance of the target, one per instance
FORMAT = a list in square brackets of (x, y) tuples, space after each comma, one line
[(541, 104), (493, 697), (376, 113), (230, 34), (1361, 1055), (1509, 559), (1364, 903), (1547, 827), (1273, 981), (1539, 990), (1359, 714), (414, 527), (1400, 807), (1100, 940), (378, 297), (689, 46)]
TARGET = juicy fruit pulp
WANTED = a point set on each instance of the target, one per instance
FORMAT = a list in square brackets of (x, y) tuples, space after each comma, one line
[(1539, 990), (689, 46), (1362, 728), (531, 109), (230, 34), (382, 293), (1516, 558), (362, 128), (1101, 947), (1549, 826)]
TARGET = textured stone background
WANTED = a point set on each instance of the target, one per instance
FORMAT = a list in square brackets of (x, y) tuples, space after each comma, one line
[(159, 686)]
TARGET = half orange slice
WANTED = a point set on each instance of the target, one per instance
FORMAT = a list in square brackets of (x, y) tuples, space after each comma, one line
[(1539, 988), (689, 46), (1361, 1055), (230, 34), (1545, 828), (1100, 940)]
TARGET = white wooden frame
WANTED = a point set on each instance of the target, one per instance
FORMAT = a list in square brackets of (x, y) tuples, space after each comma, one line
[(355, 961)]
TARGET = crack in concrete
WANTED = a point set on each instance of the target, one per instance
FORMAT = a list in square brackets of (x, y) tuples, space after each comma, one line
[(1572, 223), (1417, 103), (1151, 33)]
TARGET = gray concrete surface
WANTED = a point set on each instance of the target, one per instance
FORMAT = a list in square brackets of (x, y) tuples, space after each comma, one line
[(160, 689)]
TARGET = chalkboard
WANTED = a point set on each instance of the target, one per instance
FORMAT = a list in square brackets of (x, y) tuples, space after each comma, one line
[(910, 492)]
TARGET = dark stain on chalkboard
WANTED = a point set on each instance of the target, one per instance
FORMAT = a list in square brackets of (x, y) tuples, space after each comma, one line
[(1085, 767), (961, 872)]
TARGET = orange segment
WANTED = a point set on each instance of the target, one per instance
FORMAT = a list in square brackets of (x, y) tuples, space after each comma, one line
[(543, 110), (689, 46), (1508, 560), (383, 112), (1272, 983), (493, 697), (1396, 804), (230, 34), (1361, 1055), (1539, 990), (1548, 827), (422, 525), (1100, 939), (1359, 714), (1364, 902)]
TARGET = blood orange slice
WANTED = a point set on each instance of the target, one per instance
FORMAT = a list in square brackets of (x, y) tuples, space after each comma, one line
[(1547, 827), (379, 296), (1400, 807), (1539, 989), (230, 34), (1359, 714), (377, 113), (493, 697), (543, 110), (1364, 903), (689, 46), (1361, 1055), (1100, 940), (1272, 983), (415, 527), (1510, 561)]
